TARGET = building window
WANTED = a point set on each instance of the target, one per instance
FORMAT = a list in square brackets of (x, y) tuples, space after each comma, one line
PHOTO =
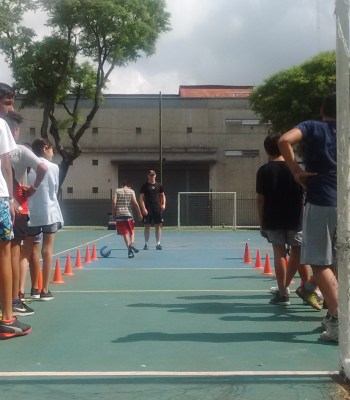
[(138, 130), (189, 129), (70, 190), (94, 162), (229, 121), (95, 189), (95, 130), (242, 153), (32, 131)]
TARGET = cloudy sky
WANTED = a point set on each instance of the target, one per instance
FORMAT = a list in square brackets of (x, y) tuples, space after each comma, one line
[(226, 42)]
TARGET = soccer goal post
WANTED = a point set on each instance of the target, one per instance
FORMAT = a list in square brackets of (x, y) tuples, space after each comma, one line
[(207, 210)]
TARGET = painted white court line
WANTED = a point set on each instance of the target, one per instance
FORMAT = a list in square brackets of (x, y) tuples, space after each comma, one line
[(81, 245), (164, 291), (175, 374)]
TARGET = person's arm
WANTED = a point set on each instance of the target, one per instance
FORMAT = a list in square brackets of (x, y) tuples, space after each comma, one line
[(6, 170), (137, 207), (114, 206), (142, 204), (162, 199), (285, 144), (260, 204), (40, 174)]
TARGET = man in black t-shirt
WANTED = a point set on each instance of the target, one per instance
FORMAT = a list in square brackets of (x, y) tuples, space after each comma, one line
[(152, 204), (280, 208)]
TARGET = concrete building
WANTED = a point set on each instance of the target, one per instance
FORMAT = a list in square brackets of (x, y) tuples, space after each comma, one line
[(206, 138)]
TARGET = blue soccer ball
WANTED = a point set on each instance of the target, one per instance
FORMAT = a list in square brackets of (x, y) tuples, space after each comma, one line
[(105, 251)]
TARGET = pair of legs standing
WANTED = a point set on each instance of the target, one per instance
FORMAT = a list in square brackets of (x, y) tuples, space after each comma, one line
[(30, 254), (157, 231)]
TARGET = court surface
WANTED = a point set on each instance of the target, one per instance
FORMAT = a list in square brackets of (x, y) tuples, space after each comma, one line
[(189, 322)]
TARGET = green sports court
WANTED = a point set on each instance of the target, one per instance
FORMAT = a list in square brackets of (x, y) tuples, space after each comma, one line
[(189, 322)]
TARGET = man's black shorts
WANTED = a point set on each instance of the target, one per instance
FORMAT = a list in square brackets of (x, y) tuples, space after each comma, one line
[(20, 228), (154, 217)]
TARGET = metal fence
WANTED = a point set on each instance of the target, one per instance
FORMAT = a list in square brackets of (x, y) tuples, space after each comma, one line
[(92, 209)]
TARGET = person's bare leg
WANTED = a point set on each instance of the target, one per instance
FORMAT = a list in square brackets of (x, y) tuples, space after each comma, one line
[(47, 256), (293, 264), (328, 284), (6, 280), (279, 252), (158, 232), (15, 257)]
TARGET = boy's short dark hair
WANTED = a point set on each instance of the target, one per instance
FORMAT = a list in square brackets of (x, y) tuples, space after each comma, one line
[(6, 91), (38, 146), (271, 145), (329, 106)]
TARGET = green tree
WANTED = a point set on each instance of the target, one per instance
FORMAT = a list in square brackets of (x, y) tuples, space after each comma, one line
[(49, 72), (296, 94)]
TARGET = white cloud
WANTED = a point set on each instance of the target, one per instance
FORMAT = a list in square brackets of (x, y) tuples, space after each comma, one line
[(233, 42)]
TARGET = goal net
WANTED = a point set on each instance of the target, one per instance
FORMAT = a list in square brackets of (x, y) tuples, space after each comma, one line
[(206, 209), (343, 171)]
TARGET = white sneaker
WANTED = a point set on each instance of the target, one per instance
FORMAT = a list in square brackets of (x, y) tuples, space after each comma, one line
[(274, 290), (332, 330)]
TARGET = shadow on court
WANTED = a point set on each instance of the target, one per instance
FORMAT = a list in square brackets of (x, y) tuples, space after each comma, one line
[(188, 322)]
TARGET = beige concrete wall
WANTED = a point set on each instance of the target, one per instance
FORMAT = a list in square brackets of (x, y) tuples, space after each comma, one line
[(117, 139)]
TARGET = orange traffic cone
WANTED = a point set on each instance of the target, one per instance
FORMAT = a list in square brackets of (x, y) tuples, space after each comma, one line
[(87, 256), (258, 264), (78, 263), (247, 259), (94, 253), (57, 277), (68, 266), (40, 281), (267, 266)]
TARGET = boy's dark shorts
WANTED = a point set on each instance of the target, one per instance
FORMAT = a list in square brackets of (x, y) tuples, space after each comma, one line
[(154, 217), (20, 228), (36, 230)]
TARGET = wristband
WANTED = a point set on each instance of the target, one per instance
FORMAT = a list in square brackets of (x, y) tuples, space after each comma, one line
[(11, 201), (35, 188)]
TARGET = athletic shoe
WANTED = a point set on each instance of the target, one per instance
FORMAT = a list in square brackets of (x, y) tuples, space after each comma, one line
[(325, 320), (134, 249), (159, 247), (274, 290), (12, 328), (332, 330), (280, 300), (145, 247), (130, 253), (20, 308), (46, 296), (34, 293), (311, 298)]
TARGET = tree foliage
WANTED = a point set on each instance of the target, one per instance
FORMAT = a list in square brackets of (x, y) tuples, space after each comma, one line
[(296, 94), (104, 34)]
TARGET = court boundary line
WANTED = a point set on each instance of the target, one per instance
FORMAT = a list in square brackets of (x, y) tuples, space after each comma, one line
[(165, 291), (175, 374), (81, 245)]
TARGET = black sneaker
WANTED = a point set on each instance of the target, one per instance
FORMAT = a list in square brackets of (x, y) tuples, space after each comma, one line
[(280, 300), (46, 296), (34, 293), (159, 247), (20, 308), (134, 249), (130, 253), (145, 247), (13, 328)]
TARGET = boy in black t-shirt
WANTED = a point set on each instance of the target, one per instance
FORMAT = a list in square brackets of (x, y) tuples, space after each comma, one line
[(280, 207), (152, 204)]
